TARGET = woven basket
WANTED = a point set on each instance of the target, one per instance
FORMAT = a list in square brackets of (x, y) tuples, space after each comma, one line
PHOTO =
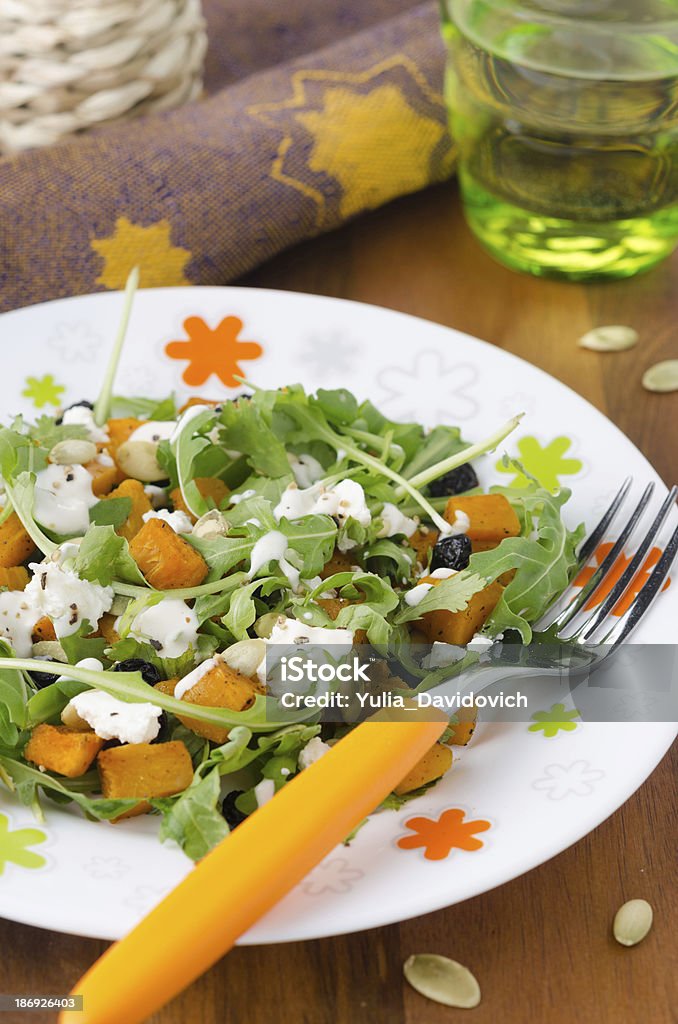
[(67, 65)]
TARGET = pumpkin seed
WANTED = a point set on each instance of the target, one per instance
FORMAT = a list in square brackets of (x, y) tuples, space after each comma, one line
[(245, 656), (632, 922), (73, 453), (613, 338), (264, 625), (442, 980), (212, 524), (50, 649), (138, 460), (662, 376)]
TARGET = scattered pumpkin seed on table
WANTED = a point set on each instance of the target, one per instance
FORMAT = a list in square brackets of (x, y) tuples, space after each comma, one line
[(662, 376), (632, 922), (442, 980), (613, 338)]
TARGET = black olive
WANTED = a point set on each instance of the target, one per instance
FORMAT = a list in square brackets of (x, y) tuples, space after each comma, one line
[(75, 405), (451, 552), (149, 673), (42, 679), (232, 815), (458, 480)]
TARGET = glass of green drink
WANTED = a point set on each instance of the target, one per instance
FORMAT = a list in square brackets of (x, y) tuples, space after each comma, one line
[(565, 114)]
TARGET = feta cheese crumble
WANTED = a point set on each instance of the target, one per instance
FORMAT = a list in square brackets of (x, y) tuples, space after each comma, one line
[(63, 597), (312, 752), (63, 498), (17, 621), (113, 719)]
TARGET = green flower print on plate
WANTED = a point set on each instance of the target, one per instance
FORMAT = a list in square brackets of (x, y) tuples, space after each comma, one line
[(546, 463), (14, 845), (43, 391), (556, 720)]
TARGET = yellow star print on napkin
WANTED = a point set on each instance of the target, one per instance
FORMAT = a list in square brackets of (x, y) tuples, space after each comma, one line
[(373, 135), (150, 248)]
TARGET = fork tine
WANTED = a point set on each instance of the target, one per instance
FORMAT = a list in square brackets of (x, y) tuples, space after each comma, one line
[(589, 627), (645, 597), (601, 572), (593, 540)]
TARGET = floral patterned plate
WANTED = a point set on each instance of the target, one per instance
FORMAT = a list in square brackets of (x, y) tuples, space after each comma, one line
[(521, 792)]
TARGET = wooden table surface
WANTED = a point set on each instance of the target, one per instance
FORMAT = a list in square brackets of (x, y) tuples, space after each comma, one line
[(540, 945)]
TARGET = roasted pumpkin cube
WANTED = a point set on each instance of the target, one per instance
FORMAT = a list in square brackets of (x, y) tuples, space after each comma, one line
[(460, 627), (15, 544), (339, 562), (462, 730), (62, 750), (120, 430), (107, 628), (422, 540), (430, 767), (220, 686), (14, 577), (209, 486), (166, 686), (104, 477), (134, 490), (167, 560), (144, 770), (43, 630), (491, 516)]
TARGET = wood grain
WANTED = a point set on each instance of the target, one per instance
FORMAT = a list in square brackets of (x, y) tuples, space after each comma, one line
[(541, 945)]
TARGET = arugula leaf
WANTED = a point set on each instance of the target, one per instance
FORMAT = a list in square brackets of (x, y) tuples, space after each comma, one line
[(103, 557), (452, 595), (193, 820), (245, 428), (242, 610), (47, 433), (13, 694), (385, 557), (438, 444), (339, 406), (543, 563), (82, 644), (186, 446), (110, 512)]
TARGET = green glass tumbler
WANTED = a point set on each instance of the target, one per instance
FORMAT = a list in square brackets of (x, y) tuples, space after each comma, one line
[(565, 115)]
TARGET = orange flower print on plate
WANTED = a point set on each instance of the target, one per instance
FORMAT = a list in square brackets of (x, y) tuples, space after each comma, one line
[(439, 836), (217, 351), (638, 581)]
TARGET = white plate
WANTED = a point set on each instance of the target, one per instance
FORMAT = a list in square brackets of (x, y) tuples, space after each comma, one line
[(538, 794)]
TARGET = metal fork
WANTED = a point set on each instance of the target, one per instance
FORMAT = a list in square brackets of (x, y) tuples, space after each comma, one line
[(596, 627), (597, 636)]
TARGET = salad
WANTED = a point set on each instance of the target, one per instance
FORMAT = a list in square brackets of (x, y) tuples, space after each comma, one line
[(149, 556)]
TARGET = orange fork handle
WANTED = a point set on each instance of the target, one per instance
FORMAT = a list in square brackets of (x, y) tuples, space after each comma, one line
[(251, 870)]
